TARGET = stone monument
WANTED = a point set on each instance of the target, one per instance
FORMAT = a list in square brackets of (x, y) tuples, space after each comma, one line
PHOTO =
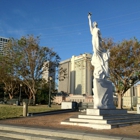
[(102, 87), (104, 115)]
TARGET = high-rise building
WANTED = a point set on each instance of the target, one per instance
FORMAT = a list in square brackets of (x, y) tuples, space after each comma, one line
[(75, 75), (3, 43), (49, 71)]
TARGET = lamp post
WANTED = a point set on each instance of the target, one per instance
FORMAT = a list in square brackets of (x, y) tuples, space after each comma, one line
[(20, 93), (4, 97), (50, 79), (131, 93)]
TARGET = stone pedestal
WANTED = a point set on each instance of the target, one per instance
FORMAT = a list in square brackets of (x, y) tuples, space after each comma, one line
[(25, 109), (105, 111), (138, 108), (103, 94)]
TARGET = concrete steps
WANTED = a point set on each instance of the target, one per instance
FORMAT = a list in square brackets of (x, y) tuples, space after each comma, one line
[(104, 119), (120, 120), (91, 125), (109, 117), (100, 126)]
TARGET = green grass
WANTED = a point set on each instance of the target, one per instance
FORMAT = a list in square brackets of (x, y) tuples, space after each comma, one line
[(12, 111)]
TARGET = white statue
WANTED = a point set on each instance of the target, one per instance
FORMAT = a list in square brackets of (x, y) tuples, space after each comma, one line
[(101, 56), (103, 89)]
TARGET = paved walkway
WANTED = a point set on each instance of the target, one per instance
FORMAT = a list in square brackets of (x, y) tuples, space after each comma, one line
[(49, 126), (8, 138)]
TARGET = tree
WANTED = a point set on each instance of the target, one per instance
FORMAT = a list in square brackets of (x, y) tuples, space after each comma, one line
[(43, 93), (62, 73), (1, 91), (29, 60), (9, 82), (124, 65)]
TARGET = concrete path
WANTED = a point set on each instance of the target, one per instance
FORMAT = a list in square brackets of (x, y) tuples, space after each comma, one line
[(48, 127), (8, 138), (30, 133)]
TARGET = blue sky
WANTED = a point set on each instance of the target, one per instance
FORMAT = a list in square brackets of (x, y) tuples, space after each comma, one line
[(63, 24)]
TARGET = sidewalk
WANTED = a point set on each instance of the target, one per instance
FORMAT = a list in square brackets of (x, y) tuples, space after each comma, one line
[(50, 125)]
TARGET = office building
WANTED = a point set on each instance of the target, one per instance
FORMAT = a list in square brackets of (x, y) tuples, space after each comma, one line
[(49, 70), (3, 43), (77, 79)]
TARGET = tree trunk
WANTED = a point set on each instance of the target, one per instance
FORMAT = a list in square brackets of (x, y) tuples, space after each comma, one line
[(33, 99), (119, 101), (10, 96), (30, 97)]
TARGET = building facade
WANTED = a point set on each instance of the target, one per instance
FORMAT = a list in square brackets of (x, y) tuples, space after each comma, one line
[(77, 79), (48, 71), (77, 82), (132, 96), (3, 43)]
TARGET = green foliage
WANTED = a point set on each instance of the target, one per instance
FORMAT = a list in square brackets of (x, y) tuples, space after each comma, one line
[(1, 91), (7, 77), (42, 96), (24, 62), (124, 63)]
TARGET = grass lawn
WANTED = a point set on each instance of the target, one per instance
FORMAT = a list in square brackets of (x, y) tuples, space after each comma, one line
[(11, 111)]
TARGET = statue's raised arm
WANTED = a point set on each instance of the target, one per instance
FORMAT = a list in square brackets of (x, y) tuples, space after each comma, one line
[(90, 23)]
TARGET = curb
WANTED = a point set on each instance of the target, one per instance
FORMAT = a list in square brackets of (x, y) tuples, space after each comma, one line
[(31, 133), (51, 112)]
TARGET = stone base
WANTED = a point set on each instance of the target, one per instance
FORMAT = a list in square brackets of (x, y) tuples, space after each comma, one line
[(103, 94), (138, 108), (104, 119), (105, 111), (68, 105)]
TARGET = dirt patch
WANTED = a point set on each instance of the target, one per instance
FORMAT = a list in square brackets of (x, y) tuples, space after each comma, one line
[(53, 122)]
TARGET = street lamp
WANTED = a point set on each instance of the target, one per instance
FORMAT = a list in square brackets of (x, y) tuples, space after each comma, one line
[(20, 93), (131, 93), (50, 79), (4, 97)]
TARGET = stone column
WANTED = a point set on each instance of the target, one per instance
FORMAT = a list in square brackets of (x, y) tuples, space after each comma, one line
[(25, 109), (72, 75)]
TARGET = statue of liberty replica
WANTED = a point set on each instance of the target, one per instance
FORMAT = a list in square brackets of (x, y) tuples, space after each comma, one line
[(102, 87)]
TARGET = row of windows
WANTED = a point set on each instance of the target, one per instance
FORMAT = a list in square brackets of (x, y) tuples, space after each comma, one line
[(3, 39), (80, 100), (3, 44)]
